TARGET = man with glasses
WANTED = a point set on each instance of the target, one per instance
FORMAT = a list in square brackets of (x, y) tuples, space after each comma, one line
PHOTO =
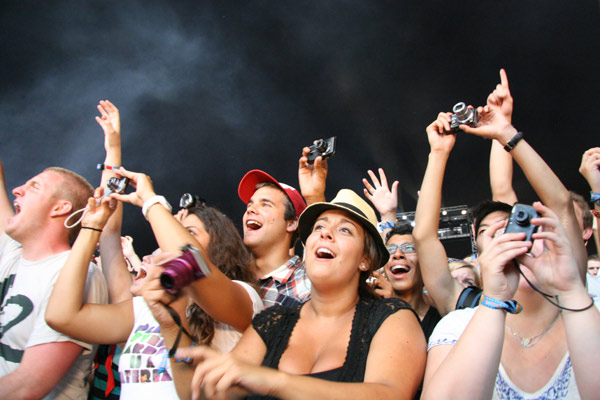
[(404, 275)]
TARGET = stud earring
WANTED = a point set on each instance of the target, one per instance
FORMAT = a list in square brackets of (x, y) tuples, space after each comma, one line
[(364, 267)]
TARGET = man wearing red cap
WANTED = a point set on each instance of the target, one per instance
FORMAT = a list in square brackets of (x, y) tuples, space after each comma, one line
[(270, 230)]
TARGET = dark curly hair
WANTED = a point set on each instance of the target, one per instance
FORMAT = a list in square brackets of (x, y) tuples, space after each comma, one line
[(226, 251)]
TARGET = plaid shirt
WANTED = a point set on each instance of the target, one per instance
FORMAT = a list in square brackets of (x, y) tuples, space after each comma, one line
[(288, 285)]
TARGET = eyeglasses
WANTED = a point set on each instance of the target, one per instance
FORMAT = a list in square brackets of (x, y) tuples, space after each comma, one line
[(406, 248), (188, 201)]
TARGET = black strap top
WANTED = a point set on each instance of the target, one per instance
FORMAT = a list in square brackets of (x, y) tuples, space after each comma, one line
[(275, 326)]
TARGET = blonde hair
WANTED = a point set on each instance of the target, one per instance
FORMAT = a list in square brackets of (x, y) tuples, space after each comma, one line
[(455, 263)]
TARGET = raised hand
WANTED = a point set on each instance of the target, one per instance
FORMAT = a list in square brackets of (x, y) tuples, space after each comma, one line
[(110, 123), (499, 276), (312, 178), (438, 136), (143, 187), (555, 267), (98, 211), (590, 168), (495, 118), (379, 193)]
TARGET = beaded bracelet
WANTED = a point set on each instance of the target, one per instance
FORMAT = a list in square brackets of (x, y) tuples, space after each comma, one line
[(511, 306)]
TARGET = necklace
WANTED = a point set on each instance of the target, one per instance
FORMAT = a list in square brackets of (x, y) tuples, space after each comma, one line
[(532, 341)]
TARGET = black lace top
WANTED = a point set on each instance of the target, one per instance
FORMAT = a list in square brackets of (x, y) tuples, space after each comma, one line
[(275, 326)]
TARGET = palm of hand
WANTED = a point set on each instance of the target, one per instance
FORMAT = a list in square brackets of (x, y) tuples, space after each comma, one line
[(384, 200)]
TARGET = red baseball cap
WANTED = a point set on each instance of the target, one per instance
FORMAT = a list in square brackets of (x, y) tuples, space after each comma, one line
[(248, 184)]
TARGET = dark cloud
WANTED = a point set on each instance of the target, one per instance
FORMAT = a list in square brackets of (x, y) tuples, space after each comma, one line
[(209, 90)]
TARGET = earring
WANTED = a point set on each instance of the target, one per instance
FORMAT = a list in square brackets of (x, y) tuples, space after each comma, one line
[(364, 267)]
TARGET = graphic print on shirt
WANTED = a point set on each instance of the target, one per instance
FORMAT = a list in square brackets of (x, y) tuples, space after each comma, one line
[(14, 310), (146, 352)]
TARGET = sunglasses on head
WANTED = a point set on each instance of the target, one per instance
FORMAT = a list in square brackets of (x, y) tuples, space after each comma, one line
[(188, 200), (406, 248)]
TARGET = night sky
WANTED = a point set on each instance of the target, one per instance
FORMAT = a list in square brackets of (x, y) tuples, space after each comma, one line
[(209, 90)]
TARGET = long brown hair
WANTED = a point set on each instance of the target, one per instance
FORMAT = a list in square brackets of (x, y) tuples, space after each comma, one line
[(226, 251)]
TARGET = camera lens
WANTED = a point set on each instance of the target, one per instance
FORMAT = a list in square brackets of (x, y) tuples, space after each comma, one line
[(321, 145), (179, 272), (522, 218)]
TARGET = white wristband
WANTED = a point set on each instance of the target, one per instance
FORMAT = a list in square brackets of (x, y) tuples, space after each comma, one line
[(152, 201)]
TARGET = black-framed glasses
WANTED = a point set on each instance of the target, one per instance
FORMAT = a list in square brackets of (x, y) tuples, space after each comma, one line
[(188, 200), (406, 248)]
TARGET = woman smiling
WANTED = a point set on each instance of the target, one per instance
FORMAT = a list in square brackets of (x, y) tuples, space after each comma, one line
[(343, 342)]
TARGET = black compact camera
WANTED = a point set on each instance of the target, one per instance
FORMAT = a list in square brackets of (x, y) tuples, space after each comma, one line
[(520, 220), (462, 115), (183, 270), (323, 147), (116, 185)]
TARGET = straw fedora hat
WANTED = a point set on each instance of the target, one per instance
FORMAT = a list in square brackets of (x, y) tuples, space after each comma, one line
[(354, 205)]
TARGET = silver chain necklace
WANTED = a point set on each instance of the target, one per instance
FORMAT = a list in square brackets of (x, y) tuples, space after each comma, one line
[(532, 341)]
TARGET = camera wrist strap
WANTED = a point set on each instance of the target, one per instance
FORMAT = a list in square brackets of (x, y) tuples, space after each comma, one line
[(548, 297), (177, 320)]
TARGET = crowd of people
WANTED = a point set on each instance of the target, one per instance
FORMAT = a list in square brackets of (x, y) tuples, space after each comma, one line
[(372, 307)]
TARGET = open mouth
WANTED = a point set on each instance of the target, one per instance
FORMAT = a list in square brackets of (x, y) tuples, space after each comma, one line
[(141, 274), (399, 269), (325, 253), (17, 207), (253, 225)]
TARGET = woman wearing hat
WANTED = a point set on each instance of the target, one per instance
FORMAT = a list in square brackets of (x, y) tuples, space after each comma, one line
[(343, 343)]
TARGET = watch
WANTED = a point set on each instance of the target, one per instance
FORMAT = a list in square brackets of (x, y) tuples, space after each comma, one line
[(152, 201)]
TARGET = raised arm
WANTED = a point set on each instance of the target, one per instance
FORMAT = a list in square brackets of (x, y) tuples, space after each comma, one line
[(443, 289), (129, 253), (6, 209), (493, 124), (216, 294), (501, 163), (384, 198), (590, 169), (312, 178), (66, 312), (479, 346), (114, 266)]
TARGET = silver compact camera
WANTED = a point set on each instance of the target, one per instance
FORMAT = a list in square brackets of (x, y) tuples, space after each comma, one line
[(116, 185), (462, 115)]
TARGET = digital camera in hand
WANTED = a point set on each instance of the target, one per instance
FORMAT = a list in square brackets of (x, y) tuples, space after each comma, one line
[(116, 185), (520, 220), (323, 147), (183, 270), (462, 115)]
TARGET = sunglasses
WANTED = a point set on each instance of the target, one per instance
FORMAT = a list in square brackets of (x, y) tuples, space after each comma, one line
[(188, 201), (406, 248)]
